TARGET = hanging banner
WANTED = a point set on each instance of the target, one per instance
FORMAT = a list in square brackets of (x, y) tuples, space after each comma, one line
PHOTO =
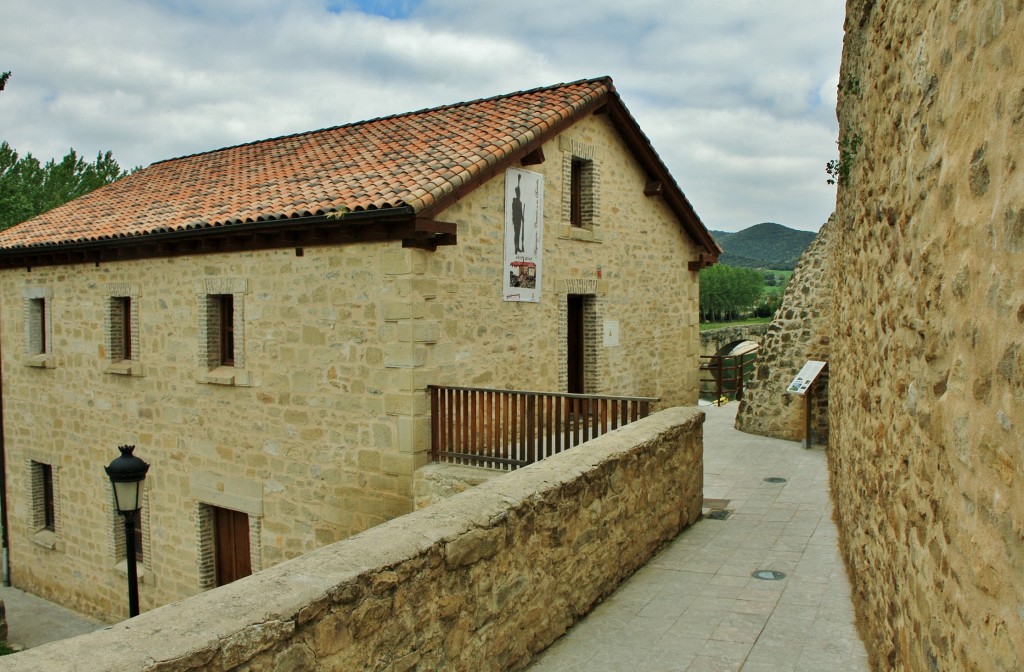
[(524, 226)]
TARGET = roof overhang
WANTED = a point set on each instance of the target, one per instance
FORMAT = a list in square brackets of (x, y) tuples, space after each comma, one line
[(396, 224), (660, 182)]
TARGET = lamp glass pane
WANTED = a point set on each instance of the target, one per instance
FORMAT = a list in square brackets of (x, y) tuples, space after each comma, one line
[(127, 496)]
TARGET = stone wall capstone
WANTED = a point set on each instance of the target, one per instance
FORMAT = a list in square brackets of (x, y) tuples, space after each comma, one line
[(482, 581), (800, 331), (927, 368)]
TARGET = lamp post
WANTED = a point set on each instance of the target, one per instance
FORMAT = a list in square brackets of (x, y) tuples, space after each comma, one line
[(126, 474)]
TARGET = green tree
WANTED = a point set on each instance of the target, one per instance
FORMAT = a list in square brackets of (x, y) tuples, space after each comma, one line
[(727, 291), (3, 79), (28, 188)]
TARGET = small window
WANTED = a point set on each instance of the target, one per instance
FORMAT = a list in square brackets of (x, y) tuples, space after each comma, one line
[(38, 342), (226, 319), (576, 192), (44, 497), (121, 328), (38, 326), (221, 304), (49, 515)]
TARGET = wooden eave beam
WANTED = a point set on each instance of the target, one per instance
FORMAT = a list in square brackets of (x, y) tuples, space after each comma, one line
[(534, 158), (703, 261), (433, 226), (397, 224)]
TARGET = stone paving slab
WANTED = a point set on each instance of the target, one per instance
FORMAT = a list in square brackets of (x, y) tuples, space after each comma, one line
[(32, 621), (695, 606)]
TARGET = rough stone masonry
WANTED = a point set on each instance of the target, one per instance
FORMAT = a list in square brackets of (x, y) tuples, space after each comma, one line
[(927, 368)]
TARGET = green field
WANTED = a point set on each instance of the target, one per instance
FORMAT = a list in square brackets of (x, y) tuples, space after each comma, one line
[(781, 279)]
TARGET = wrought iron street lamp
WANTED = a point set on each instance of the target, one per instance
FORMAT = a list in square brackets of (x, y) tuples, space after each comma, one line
[(126, 474)]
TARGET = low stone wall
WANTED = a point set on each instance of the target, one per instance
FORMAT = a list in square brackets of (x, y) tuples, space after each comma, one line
[(482, 581), (437, 482)]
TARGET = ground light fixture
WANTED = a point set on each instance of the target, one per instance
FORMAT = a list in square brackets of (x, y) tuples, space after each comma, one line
[(126, 474)]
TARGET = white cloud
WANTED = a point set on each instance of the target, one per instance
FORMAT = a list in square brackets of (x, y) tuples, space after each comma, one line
[(738, 96)]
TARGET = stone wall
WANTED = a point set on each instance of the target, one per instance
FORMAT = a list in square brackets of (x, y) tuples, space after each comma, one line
[(441, 480), (927, 368), (800, 331), (482, 581), (315, 432)]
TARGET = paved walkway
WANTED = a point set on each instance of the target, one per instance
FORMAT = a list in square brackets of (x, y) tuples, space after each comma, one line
[(695, 606), (32, 621)]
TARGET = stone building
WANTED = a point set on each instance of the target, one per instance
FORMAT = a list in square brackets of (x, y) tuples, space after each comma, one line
[(927, 356), (263, 321)]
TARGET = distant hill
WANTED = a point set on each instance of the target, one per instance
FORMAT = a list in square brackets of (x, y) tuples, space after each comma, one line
[(765, 245)]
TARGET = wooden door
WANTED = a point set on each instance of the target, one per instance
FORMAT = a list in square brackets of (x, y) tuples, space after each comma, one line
[(231, 539), (576, 347)]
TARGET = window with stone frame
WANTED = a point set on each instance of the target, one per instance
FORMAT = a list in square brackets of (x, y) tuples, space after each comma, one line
[(121, 332), (223, 312), (221, 303), (123, 329), (38, 313), (44, 493), (38, 342), (580, 191)]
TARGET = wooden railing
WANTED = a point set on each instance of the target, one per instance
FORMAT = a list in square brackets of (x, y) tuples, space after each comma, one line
[(728, 372), (507, 429)]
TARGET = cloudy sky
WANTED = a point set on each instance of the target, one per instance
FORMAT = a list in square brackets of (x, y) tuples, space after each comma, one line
[(738, 96)]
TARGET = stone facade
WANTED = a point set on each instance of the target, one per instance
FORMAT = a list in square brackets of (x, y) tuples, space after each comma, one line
[(800, 331), (927, 367), (483, 581), (316, 429)]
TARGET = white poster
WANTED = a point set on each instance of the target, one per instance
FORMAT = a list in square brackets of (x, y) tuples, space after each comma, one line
[(524, 226)]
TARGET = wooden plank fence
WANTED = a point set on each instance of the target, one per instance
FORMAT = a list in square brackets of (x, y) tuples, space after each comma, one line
[(507, 429)]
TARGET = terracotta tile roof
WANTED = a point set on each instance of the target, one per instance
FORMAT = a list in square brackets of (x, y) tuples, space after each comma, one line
[(412, 159)]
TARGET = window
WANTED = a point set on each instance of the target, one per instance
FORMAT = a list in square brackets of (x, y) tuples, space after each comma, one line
[(120, 328), (576, 192), (123, 329), (221, 303), (580, 191), (38, 315), (38, 343), (44, 489), (225, 307), (46, 476)]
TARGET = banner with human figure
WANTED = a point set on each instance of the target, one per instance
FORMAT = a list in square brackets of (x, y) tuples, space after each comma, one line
[(524, 227)]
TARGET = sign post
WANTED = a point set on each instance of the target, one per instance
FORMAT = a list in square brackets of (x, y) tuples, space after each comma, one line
[(803, 385)]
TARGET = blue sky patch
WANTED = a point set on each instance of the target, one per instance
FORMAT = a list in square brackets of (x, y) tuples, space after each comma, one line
[(392, 9)]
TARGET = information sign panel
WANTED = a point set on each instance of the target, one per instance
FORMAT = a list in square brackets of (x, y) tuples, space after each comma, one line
[(805, 378)]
